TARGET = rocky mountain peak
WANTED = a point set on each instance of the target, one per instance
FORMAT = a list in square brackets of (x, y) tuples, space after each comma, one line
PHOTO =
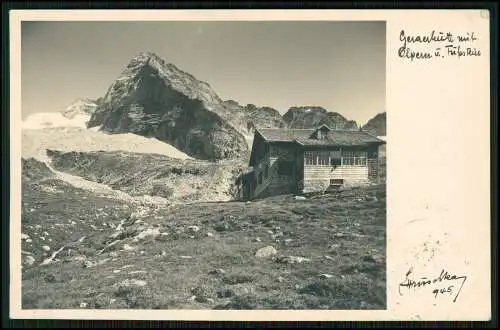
[(376, 125), (313, 116), (80, 107), (156, 99)]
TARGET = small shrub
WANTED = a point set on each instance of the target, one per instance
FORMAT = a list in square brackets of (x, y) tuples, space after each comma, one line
[(320, 289), (162, 190), (226, 293), (241, 302), (237, 279)]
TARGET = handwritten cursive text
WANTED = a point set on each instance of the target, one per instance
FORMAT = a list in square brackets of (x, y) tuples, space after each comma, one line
[(439, 285)]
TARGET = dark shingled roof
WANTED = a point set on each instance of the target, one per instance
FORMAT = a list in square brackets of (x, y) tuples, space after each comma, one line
[(285, 134), (333, 137)]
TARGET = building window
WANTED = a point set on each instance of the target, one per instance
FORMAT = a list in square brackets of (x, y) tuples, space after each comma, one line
[(336, 182), (310, 158), (285, 168), (354, 158), (260, 178), (320, 158), (323, 158)]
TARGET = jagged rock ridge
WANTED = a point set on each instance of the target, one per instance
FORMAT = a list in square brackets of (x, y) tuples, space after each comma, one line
[(253, 116), (81, 107), (376, 125), (313, 116)]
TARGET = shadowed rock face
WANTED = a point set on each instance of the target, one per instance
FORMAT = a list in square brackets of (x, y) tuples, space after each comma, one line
[(33, 169), (155, 99), (311, 117), (376, 125)]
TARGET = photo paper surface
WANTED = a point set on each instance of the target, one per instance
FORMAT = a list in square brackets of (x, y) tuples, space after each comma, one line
[(313, 165)]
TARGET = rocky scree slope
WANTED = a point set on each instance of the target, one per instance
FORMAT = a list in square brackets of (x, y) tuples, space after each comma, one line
[(139, 174)]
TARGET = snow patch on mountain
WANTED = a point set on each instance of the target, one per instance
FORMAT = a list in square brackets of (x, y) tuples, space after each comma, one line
[(36, 142), (54, 119)]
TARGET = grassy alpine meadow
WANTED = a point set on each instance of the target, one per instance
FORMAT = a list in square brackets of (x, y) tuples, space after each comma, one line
[(85, 249)]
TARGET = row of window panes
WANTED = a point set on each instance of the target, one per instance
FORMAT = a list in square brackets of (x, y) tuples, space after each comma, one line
[(335, 158)]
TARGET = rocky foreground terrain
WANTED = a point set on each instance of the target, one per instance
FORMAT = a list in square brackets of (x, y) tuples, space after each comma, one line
[(89, 246)]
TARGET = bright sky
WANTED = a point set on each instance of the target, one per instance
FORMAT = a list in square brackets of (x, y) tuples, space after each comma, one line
[(337, 65)]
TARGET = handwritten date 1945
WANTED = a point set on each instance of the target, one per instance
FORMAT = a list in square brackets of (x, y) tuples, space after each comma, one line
[(448, 290)]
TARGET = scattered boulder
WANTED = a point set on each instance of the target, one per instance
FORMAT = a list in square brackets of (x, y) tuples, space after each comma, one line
[(292, 260), (266, 252), (325, 275), (79, 258), (132, 282), (127, 247), (150, 232), (194, 229), (300, 198), (29, 260), (137, 272), (89, 264), (24, 236)]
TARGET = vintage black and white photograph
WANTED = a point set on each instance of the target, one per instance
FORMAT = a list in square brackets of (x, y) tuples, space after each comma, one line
[(203, 165)]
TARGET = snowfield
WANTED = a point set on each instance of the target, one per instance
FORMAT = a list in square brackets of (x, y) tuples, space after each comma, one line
[(35, 142), (54, 119)]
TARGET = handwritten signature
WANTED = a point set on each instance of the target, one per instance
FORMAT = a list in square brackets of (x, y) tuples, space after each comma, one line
[(440, 284)]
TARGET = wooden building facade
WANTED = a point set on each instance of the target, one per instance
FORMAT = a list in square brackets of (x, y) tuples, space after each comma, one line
[(308, 160)]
